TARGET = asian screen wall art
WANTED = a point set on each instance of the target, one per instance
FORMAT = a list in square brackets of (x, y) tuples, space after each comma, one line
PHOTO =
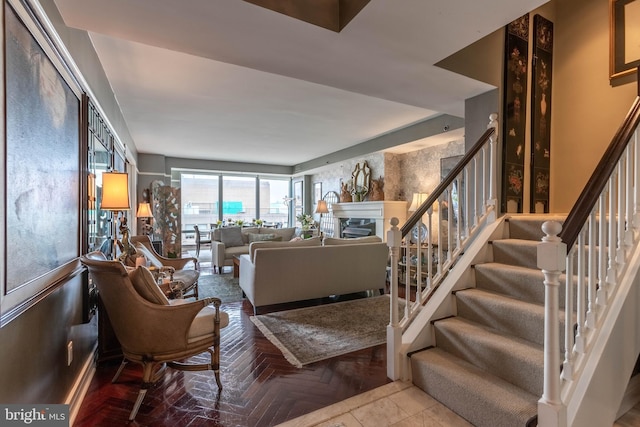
[(42, 170), (515, 101), (541, 114)]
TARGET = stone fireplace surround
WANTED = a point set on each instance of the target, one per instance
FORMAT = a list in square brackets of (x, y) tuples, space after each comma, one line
[(381, 212)]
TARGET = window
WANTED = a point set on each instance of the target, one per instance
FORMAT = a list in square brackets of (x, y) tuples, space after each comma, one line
[(238, 198), (207, 198), (200, 195), (273, 197)]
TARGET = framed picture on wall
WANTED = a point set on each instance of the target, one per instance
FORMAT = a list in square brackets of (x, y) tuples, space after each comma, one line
[(624, 50), (42, 171)]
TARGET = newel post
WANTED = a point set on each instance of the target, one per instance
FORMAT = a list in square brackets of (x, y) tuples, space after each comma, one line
[(394, 333), (552, 255)]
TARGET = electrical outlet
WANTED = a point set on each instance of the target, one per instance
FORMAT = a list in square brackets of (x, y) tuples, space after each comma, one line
[(69, 353)]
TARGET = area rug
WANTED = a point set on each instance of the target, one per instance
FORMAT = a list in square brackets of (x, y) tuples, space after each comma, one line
[(223, 286), (310, 334)]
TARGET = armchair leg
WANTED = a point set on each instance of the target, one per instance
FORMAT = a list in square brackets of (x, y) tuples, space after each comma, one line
[(136, 406), (119, 371)]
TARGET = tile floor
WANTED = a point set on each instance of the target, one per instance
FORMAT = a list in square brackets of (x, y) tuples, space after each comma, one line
[(398, 404)]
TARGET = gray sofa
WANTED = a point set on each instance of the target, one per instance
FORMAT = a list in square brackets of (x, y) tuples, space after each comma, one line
[(280, 272), (228, 242)]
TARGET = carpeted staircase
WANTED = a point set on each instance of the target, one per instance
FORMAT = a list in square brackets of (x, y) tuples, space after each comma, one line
[(487, 364)]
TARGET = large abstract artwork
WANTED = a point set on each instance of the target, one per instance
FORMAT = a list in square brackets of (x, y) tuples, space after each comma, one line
[(515, 101), (41, 167), (541, 114)]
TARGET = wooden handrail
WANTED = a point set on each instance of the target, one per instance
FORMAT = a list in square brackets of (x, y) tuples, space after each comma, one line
[(594, 187), (437, 192)]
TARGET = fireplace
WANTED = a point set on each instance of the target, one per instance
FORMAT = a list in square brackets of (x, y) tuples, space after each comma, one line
[(367, 217), (357, 227)]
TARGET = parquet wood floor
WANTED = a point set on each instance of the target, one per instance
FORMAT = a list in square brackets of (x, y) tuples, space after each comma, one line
[(260, 388)]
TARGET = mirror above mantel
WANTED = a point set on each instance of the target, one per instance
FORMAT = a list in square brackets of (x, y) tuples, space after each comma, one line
[(361, 178)]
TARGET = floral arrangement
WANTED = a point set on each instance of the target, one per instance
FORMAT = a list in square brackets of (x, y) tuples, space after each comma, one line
[(258, 222), (239, 223), (306, 220)]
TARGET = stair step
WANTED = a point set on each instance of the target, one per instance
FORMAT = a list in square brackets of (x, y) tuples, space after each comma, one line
[(476, 395), (529, 227), (516, 361), (519, 252), (525, 284), (508, 315)]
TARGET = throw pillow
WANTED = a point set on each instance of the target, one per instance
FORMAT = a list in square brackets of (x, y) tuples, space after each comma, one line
[(264, 238), (286, 233), (231, 236), (246, 231), (145, 284)]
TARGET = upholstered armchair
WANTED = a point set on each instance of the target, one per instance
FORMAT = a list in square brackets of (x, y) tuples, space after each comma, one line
[(179, 269), (151, 331)]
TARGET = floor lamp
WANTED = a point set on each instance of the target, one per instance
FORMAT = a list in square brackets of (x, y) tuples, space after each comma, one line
[(321, 209), (115, 197)]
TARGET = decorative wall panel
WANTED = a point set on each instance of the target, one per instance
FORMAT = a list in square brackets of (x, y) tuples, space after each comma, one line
[(515, 101), (541, 114)]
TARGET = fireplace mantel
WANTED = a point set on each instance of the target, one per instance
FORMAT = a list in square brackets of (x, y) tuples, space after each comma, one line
[(381, 212)]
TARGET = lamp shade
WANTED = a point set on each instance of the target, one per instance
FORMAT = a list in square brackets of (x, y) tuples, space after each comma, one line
[(115, 191), (418, 199), (144, 210), (322, 207)]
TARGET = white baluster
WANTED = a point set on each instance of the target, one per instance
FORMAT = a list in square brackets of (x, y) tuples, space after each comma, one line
[(581, 304), (602, 253), (611, 271), (620, 254), (591, 296)]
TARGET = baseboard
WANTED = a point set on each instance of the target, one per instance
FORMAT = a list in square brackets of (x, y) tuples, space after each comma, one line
[(81, 385), (631, 396)]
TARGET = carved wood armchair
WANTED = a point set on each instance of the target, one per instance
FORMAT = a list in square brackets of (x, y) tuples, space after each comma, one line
[(140, 313)]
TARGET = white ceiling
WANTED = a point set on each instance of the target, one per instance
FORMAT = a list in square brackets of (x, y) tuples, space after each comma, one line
[(229, 80)]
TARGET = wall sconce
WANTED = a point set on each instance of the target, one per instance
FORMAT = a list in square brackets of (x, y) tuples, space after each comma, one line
[(115, 197), (144, 211)]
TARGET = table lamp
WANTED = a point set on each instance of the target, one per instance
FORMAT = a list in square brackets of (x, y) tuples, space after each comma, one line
[(144, 211), (115, 197)]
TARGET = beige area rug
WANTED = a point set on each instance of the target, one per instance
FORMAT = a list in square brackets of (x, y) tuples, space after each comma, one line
[(310, 334)]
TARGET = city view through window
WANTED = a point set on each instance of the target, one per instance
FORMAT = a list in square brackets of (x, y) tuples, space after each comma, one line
[(209, 198)]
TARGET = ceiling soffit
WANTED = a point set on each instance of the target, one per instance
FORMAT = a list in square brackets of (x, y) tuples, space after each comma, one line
[(333, 15)]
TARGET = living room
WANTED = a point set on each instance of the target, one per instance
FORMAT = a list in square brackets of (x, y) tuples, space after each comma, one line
[(35, 365)]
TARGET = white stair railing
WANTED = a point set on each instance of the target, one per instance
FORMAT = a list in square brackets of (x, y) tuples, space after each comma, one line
[(594, 248), (463, 203)]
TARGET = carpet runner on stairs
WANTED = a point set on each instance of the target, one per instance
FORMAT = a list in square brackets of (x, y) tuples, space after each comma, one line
[(487, 364)]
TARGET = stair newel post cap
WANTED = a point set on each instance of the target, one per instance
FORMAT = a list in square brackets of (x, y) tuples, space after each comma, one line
[(394, 236), (552, 252)]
